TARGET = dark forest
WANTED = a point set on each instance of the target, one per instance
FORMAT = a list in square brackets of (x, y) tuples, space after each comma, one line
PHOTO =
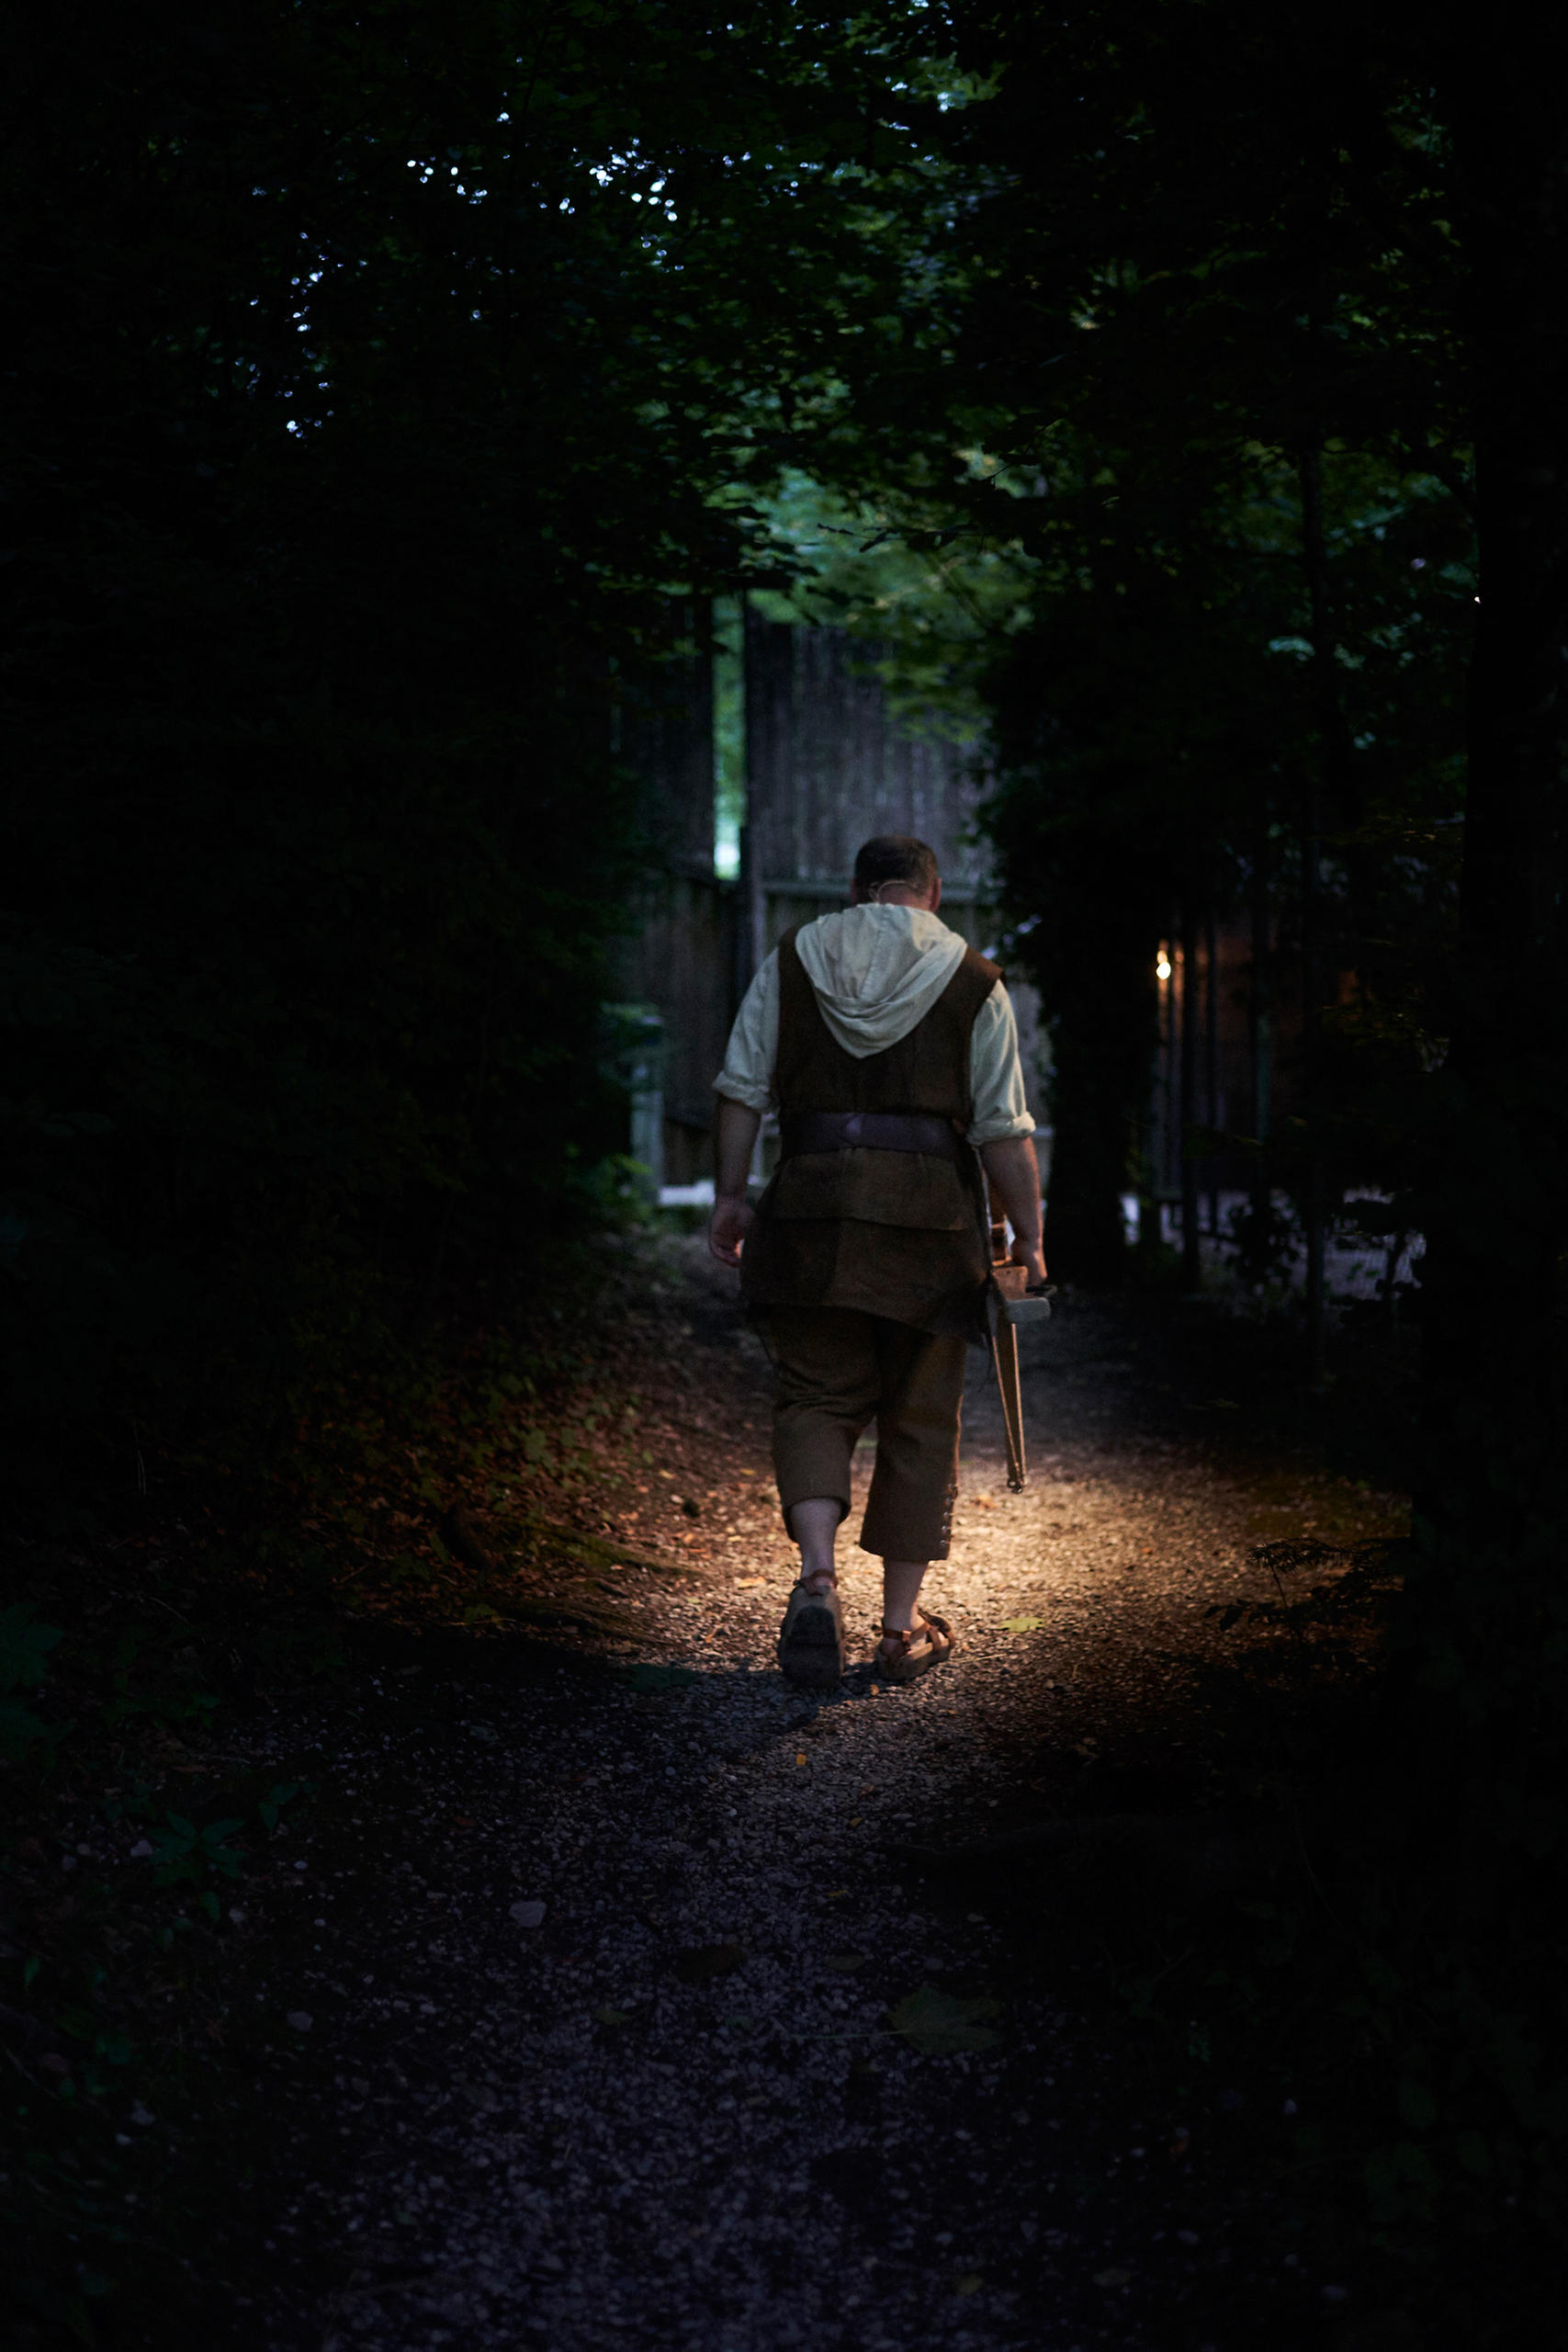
[(408, 410)]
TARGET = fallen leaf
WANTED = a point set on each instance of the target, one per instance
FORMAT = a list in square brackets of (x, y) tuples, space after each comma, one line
[(528, 1915), (1111, 2278), (607, 2016), (1022, 1624), (701, 1965), (656, 1677), (939, 2024), (970, 2284), (844, 1963)]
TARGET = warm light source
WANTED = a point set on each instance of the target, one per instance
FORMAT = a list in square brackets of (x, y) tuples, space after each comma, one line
[(1162, 966)]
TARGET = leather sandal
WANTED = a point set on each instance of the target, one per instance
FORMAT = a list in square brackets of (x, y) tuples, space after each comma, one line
[(811, 1639), (931, 1643)]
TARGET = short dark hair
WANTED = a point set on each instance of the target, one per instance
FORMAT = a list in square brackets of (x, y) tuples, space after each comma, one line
[(896, 857)]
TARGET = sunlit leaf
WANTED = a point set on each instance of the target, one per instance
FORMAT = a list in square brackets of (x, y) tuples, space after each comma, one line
[(941, 2024)]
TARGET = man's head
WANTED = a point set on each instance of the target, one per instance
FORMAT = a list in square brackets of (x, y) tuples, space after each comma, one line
[(896, 870)]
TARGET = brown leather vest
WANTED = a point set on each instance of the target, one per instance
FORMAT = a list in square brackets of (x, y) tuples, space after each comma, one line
[(893, 1233)]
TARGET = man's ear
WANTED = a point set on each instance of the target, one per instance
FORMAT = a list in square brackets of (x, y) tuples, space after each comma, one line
[(856, 897), (936, 894)]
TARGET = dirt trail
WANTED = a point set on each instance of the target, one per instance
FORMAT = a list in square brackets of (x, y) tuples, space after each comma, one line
[(792, 2053)]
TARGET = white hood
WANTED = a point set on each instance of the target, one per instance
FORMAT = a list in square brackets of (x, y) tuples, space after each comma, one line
[(877, 971)]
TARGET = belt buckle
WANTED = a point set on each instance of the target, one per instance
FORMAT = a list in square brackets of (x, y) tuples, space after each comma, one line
[(852, 1127)]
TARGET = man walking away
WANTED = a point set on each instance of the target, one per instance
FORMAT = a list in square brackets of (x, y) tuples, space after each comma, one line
[(889, 1050)]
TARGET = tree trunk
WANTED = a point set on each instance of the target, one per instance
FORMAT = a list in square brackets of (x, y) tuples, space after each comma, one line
[(1101, 981), (1214, 1118), (1187, 1104), (1330, 728), (1261, 1204), (1486, 1608)]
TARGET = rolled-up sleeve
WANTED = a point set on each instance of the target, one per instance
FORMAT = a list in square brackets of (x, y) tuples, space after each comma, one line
[(748, 1073), (998, 1106)]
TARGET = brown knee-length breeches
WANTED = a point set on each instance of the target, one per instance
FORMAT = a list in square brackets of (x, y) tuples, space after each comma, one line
[(837, 1370)]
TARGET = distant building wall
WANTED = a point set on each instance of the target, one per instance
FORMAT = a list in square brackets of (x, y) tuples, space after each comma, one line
[(827, 765)]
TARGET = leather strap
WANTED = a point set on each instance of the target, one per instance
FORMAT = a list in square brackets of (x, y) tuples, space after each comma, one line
[(934, 1630), (869, 1130)]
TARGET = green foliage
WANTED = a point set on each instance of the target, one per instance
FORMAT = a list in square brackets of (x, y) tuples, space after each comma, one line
[(157, 1679), (1170, 500), (282, 1793), (907, 576), (340, 587), (19, 1729), (25, 1644), (184, 1855)]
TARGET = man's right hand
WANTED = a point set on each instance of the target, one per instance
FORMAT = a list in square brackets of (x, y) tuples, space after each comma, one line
[(1030, 1254), (728, 1225)]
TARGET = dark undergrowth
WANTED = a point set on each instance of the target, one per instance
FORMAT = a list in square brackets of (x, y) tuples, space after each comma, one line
[(1342, 1997), (1327, 1989), (140, 1629), (1295, 2007)]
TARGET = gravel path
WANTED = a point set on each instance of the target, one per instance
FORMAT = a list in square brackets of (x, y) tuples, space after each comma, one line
[(631, 2000)]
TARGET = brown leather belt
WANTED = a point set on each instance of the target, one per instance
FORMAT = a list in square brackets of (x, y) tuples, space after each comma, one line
[(870, 1130)]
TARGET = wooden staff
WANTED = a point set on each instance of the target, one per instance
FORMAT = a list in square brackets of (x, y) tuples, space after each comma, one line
[(1010, 1302)]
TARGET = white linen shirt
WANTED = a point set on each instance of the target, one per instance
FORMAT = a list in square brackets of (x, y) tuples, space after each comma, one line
[(861, 937)]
